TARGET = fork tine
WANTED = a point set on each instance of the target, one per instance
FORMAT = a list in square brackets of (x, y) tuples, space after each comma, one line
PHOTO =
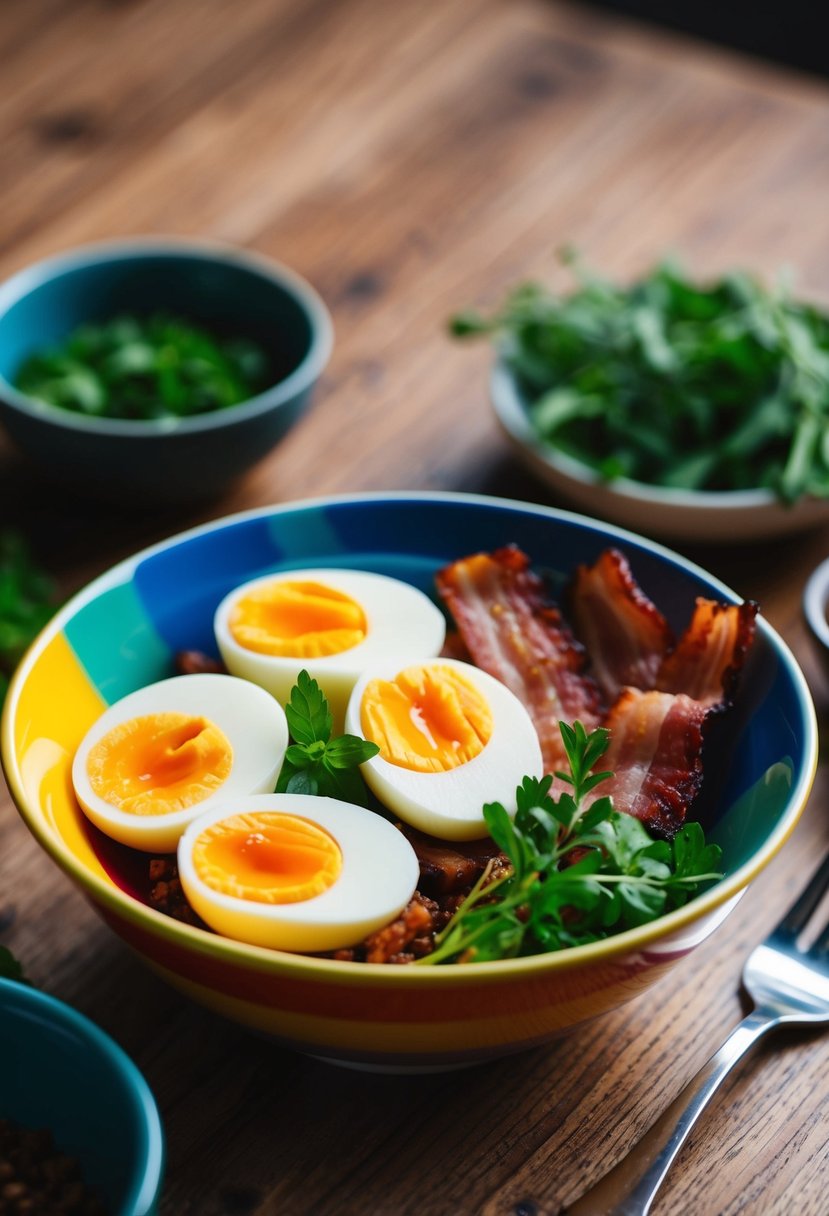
[(821, 943), (803, 907)]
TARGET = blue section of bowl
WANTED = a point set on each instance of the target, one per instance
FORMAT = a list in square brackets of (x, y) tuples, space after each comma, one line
[(181, 587), (61, 1072)]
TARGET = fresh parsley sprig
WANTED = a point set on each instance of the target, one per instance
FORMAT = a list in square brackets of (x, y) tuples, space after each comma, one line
[(578, 871), (315, 763)]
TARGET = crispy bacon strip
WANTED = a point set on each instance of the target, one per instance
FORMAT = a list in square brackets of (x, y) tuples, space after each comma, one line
[(623, 632), (662, 694), (657, 735), (707, 661), (513, 632), (655, 754)]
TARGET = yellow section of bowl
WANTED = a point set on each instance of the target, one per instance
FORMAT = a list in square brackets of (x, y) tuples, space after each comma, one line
[(57, 706)]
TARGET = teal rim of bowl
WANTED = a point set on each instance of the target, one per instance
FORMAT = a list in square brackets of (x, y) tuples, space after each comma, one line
[(134, 248), (146, 1182)]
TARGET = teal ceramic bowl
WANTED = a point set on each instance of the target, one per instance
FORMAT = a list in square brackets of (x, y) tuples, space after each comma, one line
[(229, 291), (61, 1072), (124, 630)]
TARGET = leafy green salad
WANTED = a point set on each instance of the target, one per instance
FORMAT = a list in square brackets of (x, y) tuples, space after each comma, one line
[(723, 386)]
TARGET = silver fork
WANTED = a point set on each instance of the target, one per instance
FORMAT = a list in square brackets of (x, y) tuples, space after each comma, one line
[(788, 987)]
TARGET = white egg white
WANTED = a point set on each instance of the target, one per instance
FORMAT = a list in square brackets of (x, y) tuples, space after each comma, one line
[(252, 721), (450, 804), (398, 616), (378, 877)]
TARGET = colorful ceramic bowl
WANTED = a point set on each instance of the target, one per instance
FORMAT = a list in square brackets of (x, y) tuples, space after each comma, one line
[(122, 632), (61, 1073), (226, 290), (697, 516)]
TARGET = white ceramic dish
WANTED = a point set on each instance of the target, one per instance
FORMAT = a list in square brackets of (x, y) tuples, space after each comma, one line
[(680, 515), (815, 604)]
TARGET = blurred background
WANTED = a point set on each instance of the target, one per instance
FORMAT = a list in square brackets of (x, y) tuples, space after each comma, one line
[(411, 160), (408, 160), (785, 33)]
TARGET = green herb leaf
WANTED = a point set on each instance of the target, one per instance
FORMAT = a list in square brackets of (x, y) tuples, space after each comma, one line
[(300, 781), (315, 763), (344, 783), (309, 719), (348, 751)]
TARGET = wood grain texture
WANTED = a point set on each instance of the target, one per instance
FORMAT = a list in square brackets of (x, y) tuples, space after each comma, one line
[(412, 160)]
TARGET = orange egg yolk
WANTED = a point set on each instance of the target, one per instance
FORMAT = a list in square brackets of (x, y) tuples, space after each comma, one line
[(269, 857), (297, 620), (429, 719), (159, 763)]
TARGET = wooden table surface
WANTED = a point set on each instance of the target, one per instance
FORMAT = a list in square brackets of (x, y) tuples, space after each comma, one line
[(410, 160)]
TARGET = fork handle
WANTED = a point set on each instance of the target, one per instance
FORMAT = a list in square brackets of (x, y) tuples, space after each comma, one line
[(630, 1187)]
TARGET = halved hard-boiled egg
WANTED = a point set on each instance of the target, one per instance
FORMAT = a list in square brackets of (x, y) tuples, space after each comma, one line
[(296, 871), (451, 738), (333, 623), (163, 754)]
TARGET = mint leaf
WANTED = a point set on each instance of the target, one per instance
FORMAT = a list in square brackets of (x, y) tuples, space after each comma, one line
[(309, 719), (343, 783), (302, 782), (348, 751), (315, 763)]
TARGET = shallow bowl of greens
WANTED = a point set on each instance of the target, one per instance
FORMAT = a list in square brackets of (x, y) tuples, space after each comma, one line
[(151, 371), (669, 513), (123, 632), (685, 409)]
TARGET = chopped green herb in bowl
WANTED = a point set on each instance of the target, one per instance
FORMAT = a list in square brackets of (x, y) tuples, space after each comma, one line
[(156, 371), (150, 367), (681, 393)]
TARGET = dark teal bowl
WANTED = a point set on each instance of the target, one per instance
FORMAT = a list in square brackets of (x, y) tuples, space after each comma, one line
[(60, 1071), (228, 291)]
